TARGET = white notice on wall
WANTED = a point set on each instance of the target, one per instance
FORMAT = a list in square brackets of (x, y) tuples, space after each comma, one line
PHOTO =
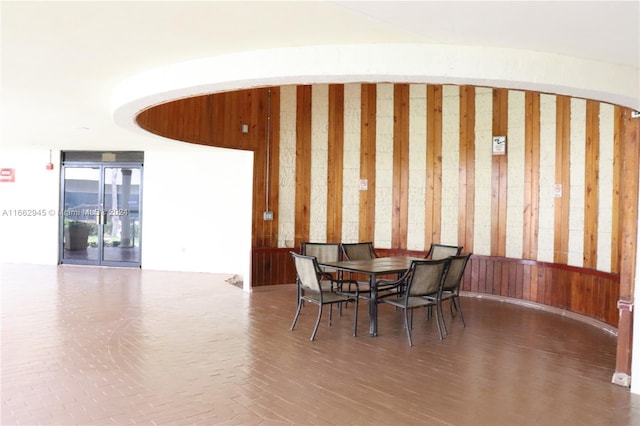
[(499, 145)]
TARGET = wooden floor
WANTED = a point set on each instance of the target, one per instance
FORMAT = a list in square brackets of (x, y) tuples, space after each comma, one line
[(113, 346)]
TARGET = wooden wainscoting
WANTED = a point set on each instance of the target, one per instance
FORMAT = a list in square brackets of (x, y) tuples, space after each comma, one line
[(587, 292), (579, 290), (272, 266)]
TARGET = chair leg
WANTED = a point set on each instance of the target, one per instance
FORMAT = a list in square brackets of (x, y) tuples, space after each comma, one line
[(440, 321), (295, 318), (355, 320), (406, 325), (456, 301), (315, 329)]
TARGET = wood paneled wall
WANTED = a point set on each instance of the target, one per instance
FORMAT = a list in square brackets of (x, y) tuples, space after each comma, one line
[(217, 120), (582, 291)]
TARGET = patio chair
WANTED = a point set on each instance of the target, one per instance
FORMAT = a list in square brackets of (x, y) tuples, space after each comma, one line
[(419, 287), (308, 275), (358, 251), (440, 251), (324, 252), (451, 285)]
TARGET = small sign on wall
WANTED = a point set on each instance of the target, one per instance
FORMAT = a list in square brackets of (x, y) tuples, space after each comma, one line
[(499, 145), (7, 175), (557, 190), (364, 184)]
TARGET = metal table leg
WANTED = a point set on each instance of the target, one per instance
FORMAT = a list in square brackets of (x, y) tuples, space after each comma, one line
[(373, 307)]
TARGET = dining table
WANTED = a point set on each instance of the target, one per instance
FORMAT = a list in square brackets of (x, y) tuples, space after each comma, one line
[(374, 268)]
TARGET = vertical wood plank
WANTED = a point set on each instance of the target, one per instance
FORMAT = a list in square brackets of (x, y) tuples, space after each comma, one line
[(533, 283), (270, 237), (591, 179), (496, 271), (563, 160), (303, 164), (335, 159), (466, 193), (499, 175), (433, 196), (483, 273), (400, 192), (368, 161), (260, 154), (475, 271), (532, 176), (525, 288), (514, 284), (618, 139)]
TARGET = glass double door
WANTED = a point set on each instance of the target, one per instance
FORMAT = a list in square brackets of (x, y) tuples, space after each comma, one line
[(100, 220)]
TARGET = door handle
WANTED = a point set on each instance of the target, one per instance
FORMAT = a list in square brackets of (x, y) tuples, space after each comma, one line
[(101, 217)]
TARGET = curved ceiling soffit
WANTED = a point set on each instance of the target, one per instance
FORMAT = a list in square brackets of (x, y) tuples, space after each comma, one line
[(436, 64)]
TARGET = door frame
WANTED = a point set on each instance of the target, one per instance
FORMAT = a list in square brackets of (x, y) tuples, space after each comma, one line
[(102, 166)]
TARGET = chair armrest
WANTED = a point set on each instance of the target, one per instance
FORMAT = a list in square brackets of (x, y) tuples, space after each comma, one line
[(341, 282), (389, 284)]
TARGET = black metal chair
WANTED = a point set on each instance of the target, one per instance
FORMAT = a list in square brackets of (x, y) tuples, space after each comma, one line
[(358, 251), (362, 251), (451, 285), (324, 252), (419, 287), (308, 277), (440, 251)]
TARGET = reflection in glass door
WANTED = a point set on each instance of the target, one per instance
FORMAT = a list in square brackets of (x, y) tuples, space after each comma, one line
[(101, 215), (121, 215)]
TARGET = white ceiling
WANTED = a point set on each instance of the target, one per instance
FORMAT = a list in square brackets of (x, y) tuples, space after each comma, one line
[(63, 61)]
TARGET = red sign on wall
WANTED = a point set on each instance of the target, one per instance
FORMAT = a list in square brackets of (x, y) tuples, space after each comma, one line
[(7, 175)]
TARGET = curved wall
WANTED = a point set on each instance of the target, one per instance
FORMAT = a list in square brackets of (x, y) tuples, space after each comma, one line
[(425, 152)]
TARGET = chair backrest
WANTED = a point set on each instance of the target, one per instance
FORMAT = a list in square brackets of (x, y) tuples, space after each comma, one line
[(440, 251), (324, 252), (307, 271), (426, 277), (455, 272), (358, 251)]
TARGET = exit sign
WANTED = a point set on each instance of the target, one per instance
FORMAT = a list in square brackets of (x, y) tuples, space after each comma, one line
[(7, 175)]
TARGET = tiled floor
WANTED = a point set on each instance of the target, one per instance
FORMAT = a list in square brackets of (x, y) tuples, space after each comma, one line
[(100, 346)]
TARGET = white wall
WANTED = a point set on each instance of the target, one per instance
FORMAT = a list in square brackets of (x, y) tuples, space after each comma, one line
[(196, 214), (197, 205), (29, 207)]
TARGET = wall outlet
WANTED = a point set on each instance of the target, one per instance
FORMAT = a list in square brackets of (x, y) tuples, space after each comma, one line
[(268, 215)]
